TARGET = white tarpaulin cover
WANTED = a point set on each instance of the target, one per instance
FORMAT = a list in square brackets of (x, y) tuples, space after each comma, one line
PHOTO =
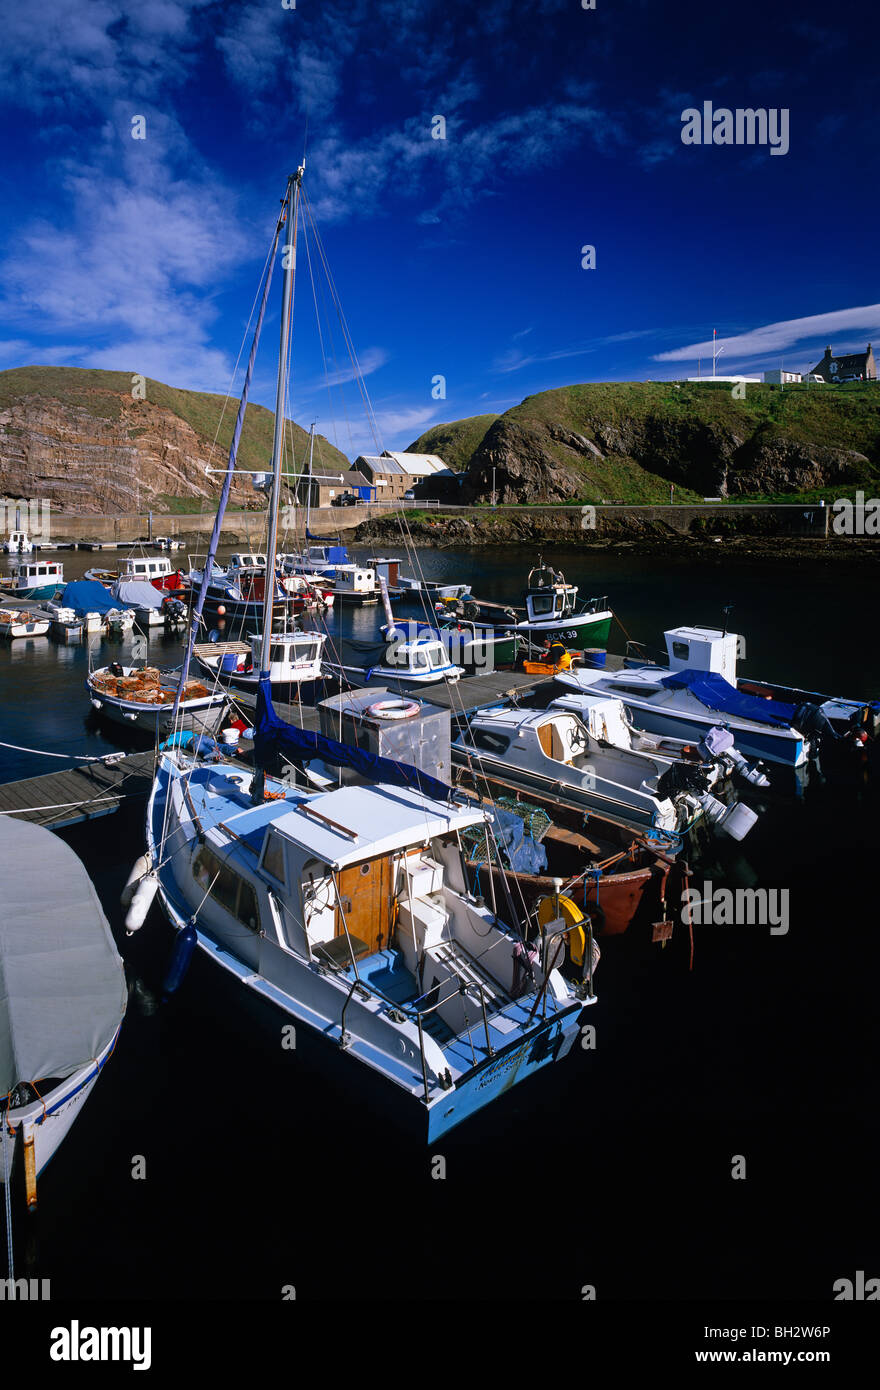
[(137, 593), (62, 984)]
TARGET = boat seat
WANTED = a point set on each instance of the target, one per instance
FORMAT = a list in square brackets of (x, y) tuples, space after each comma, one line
[(336, 953)]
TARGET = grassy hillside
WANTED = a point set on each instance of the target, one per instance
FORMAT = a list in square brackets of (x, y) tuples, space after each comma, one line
[(99, 392), (455, 442), (628, 441), (839, 417)]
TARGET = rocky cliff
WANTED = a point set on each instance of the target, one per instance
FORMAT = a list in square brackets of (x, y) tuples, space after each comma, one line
[(82, 441), (630, 441)]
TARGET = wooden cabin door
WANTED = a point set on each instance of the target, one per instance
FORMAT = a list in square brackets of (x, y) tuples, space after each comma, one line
[(365, 896)]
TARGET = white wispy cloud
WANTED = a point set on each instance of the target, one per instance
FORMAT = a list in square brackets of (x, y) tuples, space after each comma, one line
[(772, 337), (514, 361), (368, 362)]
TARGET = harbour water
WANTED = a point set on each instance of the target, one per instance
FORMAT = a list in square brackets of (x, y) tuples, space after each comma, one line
[(264, 1168)]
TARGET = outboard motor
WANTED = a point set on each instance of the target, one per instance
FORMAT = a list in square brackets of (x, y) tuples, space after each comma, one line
[(719, 744), (810, 721)]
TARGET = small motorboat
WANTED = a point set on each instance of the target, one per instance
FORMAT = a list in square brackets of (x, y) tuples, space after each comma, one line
[(18, 543), (555, 752), (400, 663), (468, 645), (699, 688), (16, 622)]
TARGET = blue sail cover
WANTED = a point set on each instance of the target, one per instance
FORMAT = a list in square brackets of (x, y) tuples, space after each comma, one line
[(88, 596), (274, 735), (713, 691)]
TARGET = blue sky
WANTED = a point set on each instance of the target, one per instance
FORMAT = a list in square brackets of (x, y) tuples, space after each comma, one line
[(456, 257)]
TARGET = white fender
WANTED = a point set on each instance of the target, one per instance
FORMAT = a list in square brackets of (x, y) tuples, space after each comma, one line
[(141, 902), (140, 868)]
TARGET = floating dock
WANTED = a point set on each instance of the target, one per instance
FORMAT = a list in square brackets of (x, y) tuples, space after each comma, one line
[(59, 799)]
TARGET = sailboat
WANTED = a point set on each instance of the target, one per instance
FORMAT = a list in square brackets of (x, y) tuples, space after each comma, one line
[(348, 911)]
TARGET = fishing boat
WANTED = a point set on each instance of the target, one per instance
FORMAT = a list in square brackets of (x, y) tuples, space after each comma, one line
[(18, 543), (143, 697), (698, 687), (347, 912), (63, 998), (15, 622), (294, 662), (36, 579), (554, 751), (152, 569), (552, 611)]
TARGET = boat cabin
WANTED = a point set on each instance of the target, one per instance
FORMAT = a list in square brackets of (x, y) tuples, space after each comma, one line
[(145, 567), (42, 575), (18, 540), (703, 649), (386, 569), (293, 656), (547, 595), (603, 715), (353, 579), (246, 560), (420, 658)]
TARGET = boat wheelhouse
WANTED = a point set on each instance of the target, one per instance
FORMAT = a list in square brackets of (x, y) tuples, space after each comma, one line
[(294, 660), (37, 579), (554, 614)]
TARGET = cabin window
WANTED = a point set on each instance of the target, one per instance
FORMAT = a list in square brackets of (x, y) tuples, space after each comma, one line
[(273, 858), (226, 887), (492, 742), (542, 603), (420, 661), (680, 650), (278, 652), (140, 569), (41, 569)]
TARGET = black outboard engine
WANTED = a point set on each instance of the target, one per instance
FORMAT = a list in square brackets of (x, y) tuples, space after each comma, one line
[(810, 721), (682, 777), (116, 669)]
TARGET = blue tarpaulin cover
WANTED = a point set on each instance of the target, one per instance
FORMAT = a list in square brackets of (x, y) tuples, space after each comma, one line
[(88, 596), (274, 735), (713, 691)]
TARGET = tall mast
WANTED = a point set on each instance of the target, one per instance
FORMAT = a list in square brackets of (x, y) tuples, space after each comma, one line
[(292, 201), (309, 483)]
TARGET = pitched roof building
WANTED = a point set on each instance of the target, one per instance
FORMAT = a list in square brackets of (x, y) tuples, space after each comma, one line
[(858, 364)]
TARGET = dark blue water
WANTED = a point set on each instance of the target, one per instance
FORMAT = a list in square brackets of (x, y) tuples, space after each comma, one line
[(267, 1168)]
